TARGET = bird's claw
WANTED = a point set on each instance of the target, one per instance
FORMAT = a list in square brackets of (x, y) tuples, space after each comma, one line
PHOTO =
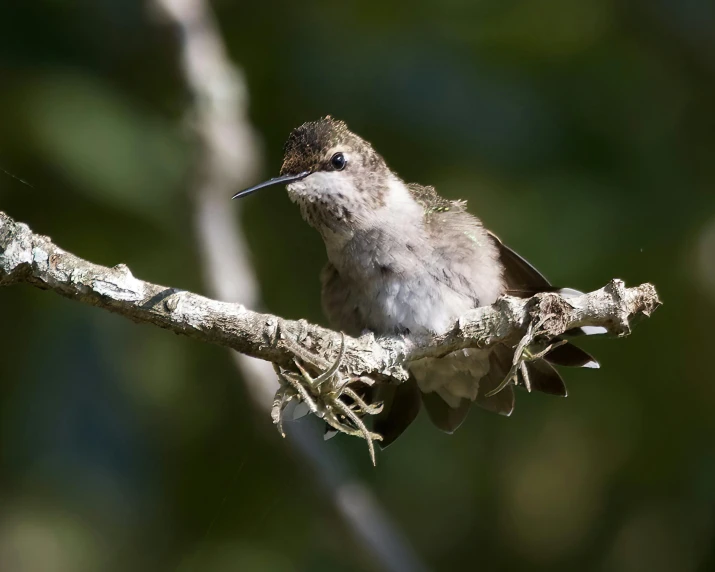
[(523, 355), (325, 395)]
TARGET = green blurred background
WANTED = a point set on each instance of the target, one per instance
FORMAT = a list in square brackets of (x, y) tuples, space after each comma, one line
[(581, 131)]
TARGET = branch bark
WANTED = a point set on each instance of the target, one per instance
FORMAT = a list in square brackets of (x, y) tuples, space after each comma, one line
[(26, 257)]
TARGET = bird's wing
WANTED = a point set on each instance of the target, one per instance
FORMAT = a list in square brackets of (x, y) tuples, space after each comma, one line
[(338, 303), (523, 280)]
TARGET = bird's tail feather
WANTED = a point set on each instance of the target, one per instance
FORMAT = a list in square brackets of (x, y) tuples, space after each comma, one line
[(400, 406)]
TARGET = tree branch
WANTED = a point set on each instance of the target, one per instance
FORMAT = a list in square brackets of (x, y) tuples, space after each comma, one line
[(29, 258)]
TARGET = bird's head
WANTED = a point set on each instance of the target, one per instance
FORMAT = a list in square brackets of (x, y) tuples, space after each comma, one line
[(339, 181)]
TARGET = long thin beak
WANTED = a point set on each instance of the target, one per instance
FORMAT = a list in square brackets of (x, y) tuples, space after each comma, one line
[(285, 179)]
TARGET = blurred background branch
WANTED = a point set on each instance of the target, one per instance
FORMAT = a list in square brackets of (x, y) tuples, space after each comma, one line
[(230, 158)]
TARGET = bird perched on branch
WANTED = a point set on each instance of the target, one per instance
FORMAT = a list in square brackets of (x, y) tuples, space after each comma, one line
[(404, 260)]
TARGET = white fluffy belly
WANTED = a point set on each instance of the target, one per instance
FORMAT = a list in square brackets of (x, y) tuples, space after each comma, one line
[(417, 305), (431, 308)]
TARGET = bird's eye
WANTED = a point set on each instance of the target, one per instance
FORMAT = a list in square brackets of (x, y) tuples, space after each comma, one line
[(338, 161)]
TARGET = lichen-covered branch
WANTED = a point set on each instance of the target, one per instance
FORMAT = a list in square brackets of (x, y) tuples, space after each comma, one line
[(33, 259)]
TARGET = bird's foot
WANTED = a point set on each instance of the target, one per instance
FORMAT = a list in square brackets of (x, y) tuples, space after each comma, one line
[(523, 355), (329, 395)]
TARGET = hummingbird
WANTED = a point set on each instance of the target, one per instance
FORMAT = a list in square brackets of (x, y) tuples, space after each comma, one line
[(402, 260)]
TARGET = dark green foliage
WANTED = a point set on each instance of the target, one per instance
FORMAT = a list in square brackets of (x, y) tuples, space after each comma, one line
[(581, 131)]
